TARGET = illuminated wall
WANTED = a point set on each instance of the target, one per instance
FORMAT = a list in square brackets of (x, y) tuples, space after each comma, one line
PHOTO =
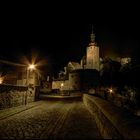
[(61, 85), (92, 57)]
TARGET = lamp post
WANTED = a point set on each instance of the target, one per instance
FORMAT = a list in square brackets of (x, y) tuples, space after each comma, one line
[(62, 84), (30, 67)]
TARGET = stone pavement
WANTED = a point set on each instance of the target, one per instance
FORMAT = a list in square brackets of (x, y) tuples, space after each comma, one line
[(14, 110), (49, 120)]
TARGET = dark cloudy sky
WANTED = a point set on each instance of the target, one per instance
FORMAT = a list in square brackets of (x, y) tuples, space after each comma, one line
[(60, 33)]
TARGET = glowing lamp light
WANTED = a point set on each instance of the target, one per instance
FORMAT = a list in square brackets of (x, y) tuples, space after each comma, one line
[(31, 66), (111, 90), (1, 80), (62, 84)]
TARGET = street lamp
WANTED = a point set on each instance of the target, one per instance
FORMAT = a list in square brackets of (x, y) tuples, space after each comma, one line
[(62, 84), (30, 67), (110, 90)]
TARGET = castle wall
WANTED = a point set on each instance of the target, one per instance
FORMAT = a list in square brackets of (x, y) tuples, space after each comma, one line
[(74, 81), (92, 57), (61, 85), (56, 84)]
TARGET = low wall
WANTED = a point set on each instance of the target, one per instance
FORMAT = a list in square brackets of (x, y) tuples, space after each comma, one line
[(11, 96), (112, 121), (130, 103)]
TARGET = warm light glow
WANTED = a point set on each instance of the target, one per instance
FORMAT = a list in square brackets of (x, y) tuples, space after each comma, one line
[(31, 67), (111, 90), (1, 80), (62, 84), (34, 61)]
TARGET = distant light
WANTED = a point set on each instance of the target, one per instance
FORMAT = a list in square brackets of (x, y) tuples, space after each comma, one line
[(62, 84), (110, 90), (1, 80)]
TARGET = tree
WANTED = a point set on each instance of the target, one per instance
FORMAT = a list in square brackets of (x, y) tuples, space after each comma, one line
[(110, 72)]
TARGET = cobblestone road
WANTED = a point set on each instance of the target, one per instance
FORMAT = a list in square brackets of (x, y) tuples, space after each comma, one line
[(51, 120)]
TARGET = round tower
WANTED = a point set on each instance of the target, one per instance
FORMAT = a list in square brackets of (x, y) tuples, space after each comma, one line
[(92, 56)]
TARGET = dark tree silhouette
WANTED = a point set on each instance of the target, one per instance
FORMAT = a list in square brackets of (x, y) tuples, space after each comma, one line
[(110, 72)]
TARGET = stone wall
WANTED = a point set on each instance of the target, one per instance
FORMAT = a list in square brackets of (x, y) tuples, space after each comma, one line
[(112, 121), (11, 96), (56, 84), (127, 102)]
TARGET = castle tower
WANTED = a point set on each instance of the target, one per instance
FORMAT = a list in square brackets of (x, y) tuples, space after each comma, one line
[(92, 56)]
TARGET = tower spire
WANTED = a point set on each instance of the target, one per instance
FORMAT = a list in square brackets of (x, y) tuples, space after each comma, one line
[(92, 29), (92, 36)]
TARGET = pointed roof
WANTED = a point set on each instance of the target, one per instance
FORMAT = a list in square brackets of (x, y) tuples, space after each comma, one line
[(92, 36), (75, 65)]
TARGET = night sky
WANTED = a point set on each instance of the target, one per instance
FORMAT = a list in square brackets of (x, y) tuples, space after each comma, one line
[(59, 34)]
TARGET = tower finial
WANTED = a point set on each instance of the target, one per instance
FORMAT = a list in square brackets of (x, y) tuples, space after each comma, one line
[(92, 36), (92, 29)]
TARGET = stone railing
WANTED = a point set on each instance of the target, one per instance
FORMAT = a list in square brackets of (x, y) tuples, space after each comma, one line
[(112, 121), (11, 96), (119, 100)]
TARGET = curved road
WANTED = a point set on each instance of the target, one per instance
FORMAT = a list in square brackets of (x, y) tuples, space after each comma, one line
[(51, 120)]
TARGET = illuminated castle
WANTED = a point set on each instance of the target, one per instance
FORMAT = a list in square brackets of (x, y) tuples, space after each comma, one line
[(82, 76)]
